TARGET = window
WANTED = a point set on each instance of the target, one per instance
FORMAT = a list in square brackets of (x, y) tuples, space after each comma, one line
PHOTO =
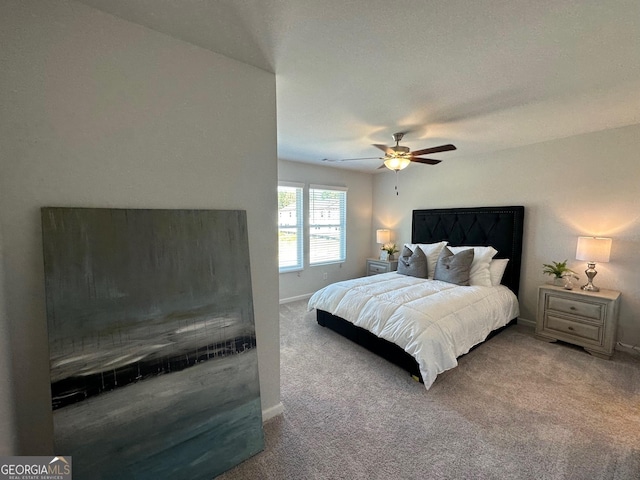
[(290, 224), (327, 224)]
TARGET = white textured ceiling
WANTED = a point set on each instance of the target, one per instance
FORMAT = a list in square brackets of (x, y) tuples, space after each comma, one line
[(483, 75)]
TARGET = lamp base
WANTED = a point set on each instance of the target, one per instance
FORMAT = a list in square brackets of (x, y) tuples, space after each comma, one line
[(591, 273), (590, 287)]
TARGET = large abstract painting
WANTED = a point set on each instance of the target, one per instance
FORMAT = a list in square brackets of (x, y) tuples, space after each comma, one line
[(154, 370)]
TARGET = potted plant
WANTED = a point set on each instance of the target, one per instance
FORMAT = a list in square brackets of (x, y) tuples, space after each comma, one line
[(389, 249), (560, 272)]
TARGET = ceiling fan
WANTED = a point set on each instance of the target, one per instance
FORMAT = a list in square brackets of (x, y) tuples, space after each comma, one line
[(398, 157)]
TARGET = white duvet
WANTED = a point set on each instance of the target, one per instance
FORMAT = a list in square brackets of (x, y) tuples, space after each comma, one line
[(434, 321)]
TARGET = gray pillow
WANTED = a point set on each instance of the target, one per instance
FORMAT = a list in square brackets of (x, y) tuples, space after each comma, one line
[(454, 268), (413, 263)]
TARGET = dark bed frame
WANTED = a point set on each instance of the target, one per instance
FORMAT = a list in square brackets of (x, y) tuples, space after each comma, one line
[(499, 227)]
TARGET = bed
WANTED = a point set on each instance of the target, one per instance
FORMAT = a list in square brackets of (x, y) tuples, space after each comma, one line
[(365, 309)]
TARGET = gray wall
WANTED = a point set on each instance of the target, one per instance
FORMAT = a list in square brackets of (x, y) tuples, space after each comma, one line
[(100, 112), (294, 285), (582, 185)]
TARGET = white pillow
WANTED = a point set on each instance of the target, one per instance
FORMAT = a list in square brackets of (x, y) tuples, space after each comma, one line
[(432, 251), (480, 267), (496, 270)]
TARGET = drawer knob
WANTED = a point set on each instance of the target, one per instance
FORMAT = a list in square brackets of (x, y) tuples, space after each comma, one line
[(570, 328), (572, 307)]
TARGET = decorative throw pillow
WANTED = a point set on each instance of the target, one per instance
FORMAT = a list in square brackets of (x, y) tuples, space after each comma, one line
[(496, 270), (413, 263), (480, 267), (454, 268), (432, 252)]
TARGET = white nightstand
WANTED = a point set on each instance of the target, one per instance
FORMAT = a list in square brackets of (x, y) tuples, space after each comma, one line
[(375, 266), (587, 319)]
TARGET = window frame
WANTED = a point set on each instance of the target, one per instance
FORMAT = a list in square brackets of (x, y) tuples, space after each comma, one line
[(341, 225), (299, 225)]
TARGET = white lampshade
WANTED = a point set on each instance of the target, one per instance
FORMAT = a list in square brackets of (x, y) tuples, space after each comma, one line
[(593, 249), (383, 235)]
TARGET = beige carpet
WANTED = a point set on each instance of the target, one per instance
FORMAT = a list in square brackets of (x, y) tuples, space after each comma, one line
[(514, 408)]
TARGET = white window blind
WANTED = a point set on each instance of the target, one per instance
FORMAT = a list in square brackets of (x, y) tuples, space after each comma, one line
[(290, 226), (327, 224)]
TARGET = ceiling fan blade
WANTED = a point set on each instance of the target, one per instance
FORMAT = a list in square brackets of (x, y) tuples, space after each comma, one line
[(426, 151), (347, 159), (384, 148), (428, 161), (381, 166)]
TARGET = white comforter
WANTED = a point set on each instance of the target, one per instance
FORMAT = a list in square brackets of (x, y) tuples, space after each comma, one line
[(434, 321)]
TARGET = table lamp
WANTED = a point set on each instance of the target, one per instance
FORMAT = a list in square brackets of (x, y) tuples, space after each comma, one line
[(592, 249)]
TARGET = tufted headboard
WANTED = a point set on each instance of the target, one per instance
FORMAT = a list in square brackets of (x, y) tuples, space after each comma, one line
[(499, 227)]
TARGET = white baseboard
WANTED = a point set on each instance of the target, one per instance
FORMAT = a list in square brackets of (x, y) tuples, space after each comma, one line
[(526, 323), (295, 299), (271, 412), (631, 349)]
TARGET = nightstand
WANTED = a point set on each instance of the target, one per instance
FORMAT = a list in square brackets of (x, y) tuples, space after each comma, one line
[(375, 266), (587, 319)]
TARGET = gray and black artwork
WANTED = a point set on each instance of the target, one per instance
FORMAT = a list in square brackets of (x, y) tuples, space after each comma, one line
[(154, 370)]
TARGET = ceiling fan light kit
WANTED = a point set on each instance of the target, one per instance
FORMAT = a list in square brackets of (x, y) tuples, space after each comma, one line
[(397, 162)]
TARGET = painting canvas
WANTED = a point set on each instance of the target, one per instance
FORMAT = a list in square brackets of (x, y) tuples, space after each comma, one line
[(154, 370)]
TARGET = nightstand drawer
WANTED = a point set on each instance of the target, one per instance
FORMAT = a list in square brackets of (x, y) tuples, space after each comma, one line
[(575, 307), (568, 326), (375, 268)]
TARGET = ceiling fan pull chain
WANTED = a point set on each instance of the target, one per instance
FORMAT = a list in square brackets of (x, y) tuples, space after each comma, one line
[(397, 182)]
